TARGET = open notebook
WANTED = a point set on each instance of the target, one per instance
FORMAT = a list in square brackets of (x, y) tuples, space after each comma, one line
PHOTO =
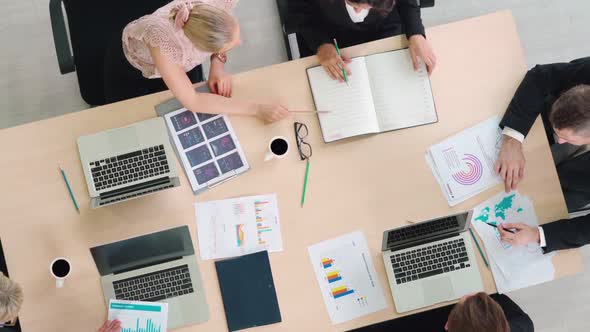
[(385, 93)]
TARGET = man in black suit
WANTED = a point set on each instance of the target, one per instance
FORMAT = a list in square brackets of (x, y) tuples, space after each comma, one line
[(560, 93), (353, 22), (474, 313)]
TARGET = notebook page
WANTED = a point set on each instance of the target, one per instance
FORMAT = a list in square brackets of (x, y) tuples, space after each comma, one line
[(351, 107), (402, 96)]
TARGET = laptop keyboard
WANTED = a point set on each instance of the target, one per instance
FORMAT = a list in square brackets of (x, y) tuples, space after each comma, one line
[(429, 261), (129, 167), (422, 229), (155, 286)]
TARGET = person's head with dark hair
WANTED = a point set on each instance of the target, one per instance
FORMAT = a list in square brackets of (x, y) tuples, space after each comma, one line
[(383, 7), (477, 313), (570, 116)]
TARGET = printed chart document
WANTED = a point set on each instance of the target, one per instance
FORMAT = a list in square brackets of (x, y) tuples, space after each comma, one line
[(513, 267), (238, 226), (384, 94), (347, 277), (139, 316), (464, 164)]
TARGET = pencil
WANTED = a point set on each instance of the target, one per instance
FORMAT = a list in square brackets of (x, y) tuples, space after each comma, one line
[(305, 183), (63, 174), (340, 55), (479, 248), (496, 226)]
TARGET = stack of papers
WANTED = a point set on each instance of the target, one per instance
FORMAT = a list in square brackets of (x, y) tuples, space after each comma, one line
[(238, 226), (464, 164), (347, 277), (513, 267)]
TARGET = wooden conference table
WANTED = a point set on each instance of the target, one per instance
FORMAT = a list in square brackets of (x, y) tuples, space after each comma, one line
[(371, 184)]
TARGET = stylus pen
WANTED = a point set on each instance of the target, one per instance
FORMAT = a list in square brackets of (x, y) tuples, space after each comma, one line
[(479, 248), (496, 226), (340, 55), (305, 183), (63, 174)]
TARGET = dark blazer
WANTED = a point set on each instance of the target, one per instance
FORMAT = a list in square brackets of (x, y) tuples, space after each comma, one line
[(434, 320), (567, 233), (539, 89), (319, 21)]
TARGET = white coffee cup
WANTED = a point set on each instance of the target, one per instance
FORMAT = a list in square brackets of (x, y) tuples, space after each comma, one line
[(277, 148), (60, 268)]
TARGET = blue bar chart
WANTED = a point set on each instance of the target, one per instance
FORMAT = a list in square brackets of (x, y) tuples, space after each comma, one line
[(139, 316)]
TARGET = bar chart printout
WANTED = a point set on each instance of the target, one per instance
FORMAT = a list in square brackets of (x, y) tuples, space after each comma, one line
[(347, 277), (139, 316)]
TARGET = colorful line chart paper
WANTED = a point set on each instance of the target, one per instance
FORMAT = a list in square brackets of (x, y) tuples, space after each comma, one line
[(139, 316), (513, 267), (463, 164), (347, 277), (238, 226)]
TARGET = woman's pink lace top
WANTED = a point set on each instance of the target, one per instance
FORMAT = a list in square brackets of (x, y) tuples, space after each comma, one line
[(158, 30)]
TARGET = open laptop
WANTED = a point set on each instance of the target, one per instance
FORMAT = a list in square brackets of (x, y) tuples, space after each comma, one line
[(157, 267), (128, 162), (430, 262)]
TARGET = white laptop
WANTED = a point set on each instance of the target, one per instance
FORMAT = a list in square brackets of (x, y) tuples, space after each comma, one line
[(431, 262), (129, 162)]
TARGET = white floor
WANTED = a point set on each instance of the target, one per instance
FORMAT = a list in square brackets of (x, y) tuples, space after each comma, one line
[(31, 89)]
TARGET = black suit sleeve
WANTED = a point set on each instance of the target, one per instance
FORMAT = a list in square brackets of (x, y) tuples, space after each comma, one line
[(305, 17), (538, 85), (567, 233), (409, 12), (518, 320)]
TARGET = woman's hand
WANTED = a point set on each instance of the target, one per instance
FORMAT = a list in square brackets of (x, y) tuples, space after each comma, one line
[(333, 63), (420, 50), (110, 326), (219, 81), (271, 112)]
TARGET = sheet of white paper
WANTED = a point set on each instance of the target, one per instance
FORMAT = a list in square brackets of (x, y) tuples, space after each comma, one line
[(238, 226), (463, 164), (513, 267), (351, 107), (138, 316), (347, 277), (402, 96)]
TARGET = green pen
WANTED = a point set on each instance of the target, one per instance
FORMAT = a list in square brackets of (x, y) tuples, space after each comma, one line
[(340, 55), (305, 183), (483, 257), (63, 174)]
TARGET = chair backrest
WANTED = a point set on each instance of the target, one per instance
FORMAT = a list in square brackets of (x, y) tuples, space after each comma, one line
[(93, 25)]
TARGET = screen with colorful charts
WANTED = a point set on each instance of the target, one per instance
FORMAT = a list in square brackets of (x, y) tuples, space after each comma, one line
[(139, 316), (208, 147), (347, 277)]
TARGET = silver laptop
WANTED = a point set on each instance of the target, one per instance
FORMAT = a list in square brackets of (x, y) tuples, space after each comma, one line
[(129, 162), (430, 262), (157, 267)]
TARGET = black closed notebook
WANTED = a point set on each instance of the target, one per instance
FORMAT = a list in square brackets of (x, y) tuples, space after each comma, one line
[(248, 291)]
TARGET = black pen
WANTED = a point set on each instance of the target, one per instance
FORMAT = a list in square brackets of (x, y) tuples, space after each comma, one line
[(496, 226)]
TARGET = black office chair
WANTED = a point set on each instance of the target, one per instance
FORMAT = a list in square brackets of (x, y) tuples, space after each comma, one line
[(93, 25), (290, 33)]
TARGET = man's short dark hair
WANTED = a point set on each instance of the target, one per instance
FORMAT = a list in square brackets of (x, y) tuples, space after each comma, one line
[(572, 110), (478, 313)]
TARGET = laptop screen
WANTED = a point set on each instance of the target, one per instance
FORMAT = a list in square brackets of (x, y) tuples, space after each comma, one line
[(423, 232), (143, 251)]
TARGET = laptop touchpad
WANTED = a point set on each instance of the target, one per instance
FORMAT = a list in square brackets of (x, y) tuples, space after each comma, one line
[(438, 290), (123, 140)]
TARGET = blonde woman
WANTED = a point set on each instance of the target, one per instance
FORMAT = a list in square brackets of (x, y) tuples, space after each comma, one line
[(11, 299), (167, 45)]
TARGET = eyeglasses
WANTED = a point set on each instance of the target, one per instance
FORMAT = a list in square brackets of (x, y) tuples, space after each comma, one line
[(301, 133)]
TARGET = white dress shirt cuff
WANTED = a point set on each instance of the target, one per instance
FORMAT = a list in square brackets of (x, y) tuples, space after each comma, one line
[(513, 133), (542, 241)]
